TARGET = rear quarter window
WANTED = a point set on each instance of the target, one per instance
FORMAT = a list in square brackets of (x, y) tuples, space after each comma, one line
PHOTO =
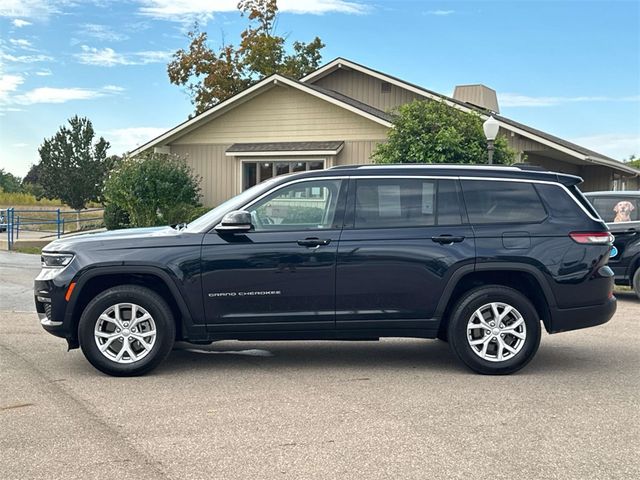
[(490, 201)]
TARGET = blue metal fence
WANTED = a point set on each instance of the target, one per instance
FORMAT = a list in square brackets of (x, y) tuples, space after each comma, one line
[(48, 222)]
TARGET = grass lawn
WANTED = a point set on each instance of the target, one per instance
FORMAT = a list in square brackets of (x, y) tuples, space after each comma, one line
[(31, 250)]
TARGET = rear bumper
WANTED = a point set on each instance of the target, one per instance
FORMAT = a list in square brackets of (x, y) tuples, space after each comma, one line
[(566, 319)]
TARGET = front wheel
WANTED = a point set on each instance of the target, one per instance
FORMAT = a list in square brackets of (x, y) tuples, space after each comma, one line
[(494, 330), (126, 331), (636, 282)]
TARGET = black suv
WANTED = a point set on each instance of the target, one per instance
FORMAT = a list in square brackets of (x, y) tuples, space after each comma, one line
[(476, 256), (621, 211)]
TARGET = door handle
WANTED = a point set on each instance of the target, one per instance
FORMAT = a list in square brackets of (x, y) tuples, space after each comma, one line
[(447, 239), (313, 242)]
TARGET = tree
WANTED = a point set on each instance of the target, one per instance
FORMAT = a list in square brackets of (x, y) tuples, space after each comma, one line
[(9, 183), (152, 189), (427, 131), (211, 77), (72, 167), (633, 161)]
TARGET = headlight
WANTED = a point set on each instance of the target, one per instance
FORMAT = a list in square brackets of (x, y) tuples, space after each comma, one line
[(56, 260)]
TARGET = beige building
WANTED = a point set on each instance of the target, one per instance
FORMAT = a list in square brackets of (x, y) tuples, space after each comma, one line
[(336, 116)]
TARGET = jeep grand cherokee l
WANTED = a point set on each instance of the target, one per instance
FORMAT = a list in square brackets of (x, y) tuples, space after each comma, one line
[(476, 256)]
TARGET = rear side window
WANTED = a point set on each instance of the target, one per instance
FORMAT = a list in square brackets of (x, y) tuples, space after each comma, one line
[(406, 202), (617, 209), (490, 201)]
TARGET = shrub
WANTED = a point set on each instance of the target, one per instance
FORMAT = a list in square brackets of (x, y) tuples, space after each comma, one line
[(115, 217), (427, 131), (153, 189)]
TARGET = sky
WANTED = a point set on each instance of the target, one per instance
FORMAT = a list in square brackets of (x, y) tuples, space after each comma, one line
[(570, 68)]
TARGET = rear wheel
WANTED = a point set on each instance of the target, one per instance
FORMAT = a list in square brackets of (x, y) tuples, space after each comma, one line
[(636, 282), (494, 330), (126, 330)]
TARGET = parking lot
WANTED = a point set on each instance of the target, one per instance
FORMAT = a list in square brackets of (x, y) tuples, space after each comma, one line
[(316, 410)]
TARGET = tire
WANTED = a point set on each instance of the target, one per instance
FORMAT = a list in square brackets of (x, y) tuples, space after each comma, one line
[(489, 355), (107, 321), (636, 282)]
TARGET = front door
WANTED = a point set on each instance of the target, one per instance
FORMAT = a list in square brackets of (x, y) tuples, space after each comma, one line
[(280, 275), (397, 252)]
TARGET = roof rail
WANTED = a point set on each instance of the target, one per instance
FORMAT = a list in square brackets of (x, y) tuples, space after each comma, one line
[(529, 166)]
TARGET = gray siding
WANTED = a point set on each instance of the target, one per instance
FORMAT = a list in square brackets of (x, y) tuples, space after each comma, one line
[(366, 89)]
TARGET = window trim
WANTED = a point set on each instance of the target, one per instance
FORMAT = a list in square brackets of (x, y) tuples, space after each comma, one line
[(619, 197), (273, 160), (340, 205), (535, 190), (211, 227), (350, 217)]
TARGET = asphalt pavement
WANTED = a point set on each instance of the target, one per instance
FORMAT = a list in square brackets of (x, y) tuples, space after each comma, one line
[(399, 408)]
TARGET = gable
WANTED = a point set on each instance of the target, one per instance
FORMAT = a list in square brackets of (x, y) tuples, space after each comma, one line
[(284, 114), (366, 89)]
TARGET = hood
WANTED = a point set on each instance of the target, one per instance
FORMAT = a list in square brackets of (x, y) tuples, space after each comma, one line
[(102, 238)]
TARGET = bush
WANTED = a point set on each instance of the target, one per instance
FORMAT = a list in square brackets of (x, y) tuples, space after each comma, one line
[(427, 131), (153, 189), (115, 217)]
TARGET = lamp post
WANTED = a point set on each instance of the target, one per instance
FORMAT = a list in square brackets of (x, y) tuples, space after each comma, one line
[(490, 127)]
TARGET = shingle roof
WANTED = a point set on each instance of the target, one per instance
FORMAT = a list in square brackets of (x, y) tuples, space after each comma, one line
[(351, 101)]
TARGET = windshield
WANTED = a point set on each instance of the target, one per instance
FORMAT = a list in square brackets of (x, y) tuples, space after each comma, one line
[(209, 219)]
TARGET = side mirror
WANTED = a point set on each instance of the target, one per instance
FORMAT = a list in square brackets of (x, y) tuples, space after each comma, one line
[(236, 221)]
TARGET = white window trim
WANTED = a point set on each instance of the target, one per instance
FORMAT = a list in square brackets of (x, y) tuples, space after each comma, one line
[(326, 162)]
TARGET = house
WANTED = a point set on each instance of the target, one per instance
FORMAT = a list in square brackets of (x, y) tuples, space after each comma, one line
[(336, 116)]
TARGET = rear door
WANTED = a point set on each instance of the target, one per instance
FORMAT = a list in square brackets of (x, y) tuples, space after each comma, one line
[(402, 240)]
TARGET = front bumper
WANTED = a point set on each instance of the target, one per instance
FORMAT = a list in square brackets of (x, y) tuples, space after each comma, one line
[(566, 319)]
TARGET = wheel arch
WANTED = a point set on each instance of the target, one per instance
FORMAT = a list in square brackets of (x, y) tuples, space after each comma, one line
[(524, 278), (97, 280)]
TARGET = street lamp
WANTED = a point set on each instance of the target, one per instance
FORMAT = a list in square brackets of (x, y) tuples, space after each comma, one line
[(490, 127)]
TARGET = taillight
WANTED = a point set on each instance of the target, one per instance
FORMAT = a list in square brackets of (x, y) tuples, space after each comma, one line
[(592, 238)]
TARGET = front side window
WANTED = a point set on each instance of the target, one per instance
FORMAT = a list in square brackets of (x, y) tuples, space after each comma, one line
[(490, 201), (256, 172), (406, 202), (309, 205), (617, 209)]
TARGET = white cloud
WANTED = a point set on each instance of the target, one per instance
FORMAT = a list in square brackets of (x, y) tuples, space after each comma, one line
[(9, 84), (20, 43), (45, 72), (102, 32), (518, 100), (19, 23), (30, 8), (113, 88), (107, 57), (615, 145), (20, 145), (56, 95), (441, 13), (25, 58), (203, 10), (51, 95), (126, 139)]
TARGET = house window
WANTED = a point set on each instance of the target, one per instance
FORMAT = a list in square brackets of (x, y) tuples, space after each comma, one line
[(254, 172)]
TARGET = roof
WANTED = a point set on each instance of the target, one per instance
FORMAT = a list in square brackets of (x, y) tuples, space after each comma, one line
[(335, 98), (552, 141), (289, 148), (616, 193), (519, 171)]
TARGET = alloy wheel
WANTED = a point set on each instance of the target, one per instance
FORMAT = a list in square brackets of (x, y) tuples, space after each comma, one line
[(125, 333), (496, 332)]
